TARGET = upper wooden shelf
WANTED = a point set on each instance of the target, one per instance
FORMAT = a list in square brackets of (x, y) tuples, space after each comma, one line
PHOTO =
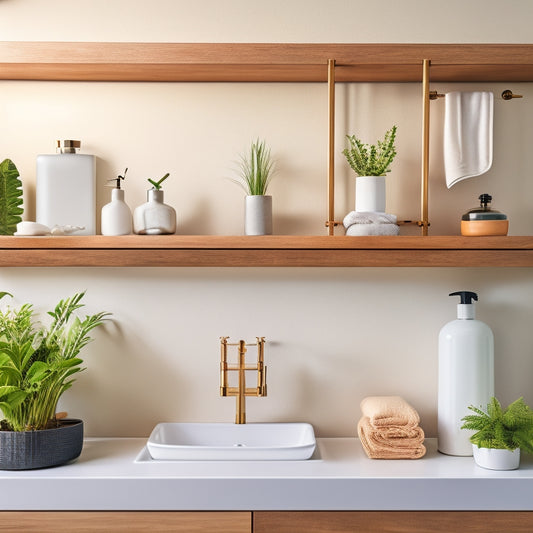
[(276, 62), (277, 250)]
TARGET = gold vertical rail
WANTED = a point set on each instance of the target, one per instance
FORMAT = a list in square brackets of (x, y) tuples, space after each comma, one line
[(240, 415), (424, 223), (331, 147)]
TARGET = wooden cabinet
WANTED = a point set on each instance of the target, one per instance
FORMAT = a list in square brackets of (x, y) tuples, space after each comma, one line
[(393, 522), (127, 521)]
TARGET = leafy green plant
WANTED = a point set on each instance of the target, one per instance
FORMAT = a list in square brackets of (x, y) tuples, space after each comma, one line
[(369, 159), (10, 197), (508, 428), (157, 184), (256, 169), (37, 362)]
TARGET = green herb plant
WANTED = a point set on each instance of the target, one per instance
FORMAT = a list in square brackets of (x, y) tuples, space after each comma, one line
[(157, 184), (37, 362), (256, 169), (369, 159), (507, 429), (10, 198)]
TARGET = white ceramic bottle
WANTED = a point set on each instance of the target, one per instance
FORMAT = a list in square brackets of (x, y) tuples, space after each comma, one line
[(466, 374), (154, 217), (116, 215), (66, 188)]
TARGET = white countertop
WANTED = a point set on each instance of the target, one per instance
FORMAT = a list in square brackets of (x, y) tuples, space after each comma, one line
[(115, 474)]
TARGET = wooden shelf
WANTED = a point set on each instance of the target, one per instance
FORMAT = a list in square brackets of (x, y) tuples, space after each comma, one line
[(271, 251), (276, 62)]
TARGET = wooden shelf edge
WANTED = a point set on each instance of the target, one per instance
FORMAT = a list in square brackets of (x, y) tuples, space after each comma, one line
[(275, 251), (267, 62)]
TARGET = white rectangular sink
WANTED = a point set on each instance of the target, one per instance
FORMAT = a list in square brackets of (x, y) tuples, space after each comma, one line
[(231, 442)]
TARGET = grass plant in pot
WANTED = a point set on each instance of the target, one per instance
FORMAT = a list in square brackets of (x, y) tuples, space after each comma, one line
[(500, 434), (371, 163), (36, 367), (256, 171)]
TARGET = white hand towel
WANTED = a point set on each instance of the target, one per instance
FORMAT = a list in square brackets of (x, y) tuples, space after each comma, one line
[(368, 217), (356, 230), (468, 125)]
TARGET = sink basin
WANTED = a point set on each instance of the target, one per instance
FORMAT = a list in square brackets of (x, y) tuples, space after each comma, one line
[(232, 442)]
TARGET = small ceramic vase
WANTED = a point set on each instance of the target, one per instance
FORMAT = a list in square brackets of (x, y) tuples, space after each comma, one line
[(154, 217), (370, 194), (258, 215)]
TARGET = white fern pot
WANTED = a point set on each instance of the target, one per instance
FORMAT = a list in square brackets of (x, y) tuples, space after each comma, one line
[(496, 459), (258, 215), (370, 194)]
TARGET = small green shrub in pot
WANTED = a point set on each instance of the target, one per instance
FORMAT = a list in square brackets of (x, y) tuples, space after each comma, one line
[(37, 362), (371, 159), (501, 428)]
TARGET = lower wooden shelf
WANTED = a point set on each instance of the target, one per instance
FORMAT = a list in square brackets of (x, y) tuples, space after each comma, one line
[(261, 251)]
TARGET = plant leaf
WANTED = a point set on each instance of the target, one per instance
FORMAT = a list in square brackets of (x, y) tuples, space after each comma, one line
[(10, 198)]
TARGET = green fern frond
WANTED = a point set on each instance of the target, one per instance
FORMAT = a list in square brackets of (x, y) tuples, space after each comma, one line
[(508, 428), (10, 198)]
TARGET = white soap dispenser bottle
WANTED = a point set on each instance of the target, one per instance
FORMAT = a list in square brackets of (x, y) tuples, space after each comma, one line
[(66, 188), (466, 374), (116, 215)]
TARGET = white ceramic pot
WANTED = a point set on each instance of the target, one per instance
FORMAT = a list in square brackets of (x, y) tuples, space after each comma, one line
[(258, 215), (496, 459), (370, 194)]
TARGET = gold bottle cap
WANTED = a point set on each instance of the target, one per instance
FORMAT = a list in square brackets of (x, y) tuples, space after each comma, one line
[(67, 146)]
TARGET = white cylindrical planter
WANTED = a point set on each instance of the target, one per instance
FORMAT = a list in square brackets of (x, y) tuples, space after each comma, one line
[(370, 194), (258, 215), (496, 459)]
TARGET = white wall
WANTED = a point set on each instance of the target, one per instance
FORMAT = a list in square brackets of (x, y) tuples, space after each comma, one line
[(333, 335)]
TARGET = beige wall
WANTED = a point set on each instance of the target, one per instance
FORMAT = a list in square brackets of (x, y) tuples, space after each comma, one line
[(334, 335)]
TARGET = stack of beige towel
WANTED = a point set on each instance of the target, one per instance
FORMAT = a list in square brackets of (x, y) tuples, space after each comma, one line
[(389, 429)]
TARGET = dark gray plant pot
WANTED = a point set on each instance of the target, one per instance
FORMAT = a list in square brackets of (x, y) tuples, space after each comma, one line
[(24, 450)]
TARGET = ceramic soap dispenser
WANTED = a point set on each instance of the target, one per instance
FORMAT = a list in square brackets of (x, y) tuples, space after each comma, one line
[(155, 217), (466, 374), (116, 215), (66, 188)]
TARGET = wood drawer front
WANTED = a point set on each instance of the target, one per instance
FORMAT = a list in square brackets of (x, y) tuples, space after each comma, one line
[(393, 522), (127, 521)]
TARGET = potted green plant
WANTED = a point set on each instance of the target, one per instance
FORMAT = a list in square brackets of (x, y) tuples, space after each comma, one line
[(500, 434), (371, 163), (255, 172), (11, 198), (154, 217), (36, 367)]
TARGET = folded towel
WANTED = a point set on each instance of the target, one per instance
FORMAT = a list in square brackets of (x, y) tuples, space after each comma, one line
[(468, 125), (389, 429), (368, 217), (356, 230), (387, 411), (394, 447)]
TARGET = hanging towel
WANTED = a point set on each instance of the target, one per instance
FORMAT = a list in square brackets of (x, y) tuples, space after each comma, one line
[(468, 125)]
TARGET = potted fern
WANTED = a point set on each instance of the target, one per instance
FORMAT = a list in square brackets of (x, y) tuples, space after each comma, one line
[(371, 163), (36, 367), (256, 171), (500, 434)]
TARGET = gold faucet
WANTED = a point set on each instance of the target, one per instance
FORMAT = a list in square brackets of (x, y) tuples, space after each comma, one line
[(241, 391)]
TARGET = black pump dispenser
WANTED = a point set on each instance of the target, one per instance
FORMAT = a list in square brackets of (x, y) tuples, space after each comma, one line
[(466, 296)]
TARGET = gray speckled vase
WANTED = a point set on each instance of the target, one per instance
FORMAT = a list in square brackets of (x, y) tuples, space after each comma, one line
[(25, 450)]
